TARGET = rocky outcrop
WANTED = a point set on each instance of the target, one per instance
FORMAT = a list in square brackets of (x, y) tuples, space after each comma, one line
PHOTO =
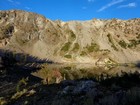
[(92, 93), (94, 41)]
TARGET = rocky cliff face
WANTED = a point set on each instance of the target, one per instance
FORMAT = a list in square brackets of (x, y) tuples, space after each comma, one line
[(94, 41)]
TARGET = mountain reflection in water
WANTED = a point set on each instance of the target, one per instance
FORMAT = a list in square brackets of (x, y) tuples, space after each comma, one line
[(55, 73)]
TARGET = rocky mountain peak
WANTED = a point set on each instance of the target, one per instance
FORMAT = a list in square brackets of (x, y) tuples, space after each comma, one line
[(92, 41)]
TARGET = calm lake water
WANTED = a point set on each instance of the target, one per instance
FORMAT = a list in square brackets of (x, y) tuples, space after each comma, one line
[(60, 72)]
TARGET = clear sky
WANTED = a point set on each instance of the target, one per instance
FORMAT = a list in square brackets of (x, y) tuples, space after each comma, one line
[(77, 9)]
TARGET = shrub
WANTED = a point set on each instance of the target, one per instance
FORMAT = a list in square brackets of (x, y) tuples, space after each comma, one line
[(9, 30), (6, 31), (133, 43), (138, 37), (23, 81), (123, 44), (2, 15), (19, 94), (2, 101), (130, 45)]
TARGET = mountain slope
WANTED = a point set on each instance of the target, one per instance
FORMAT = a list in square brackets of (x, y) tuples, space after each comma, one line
[(94, 41)]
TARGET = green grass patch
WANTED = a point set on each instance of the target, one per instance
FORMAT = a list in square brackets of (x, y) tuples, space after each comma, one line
[(76, 47), (83, 53), (66, 47), (111, 41), (72, 34), (68, 56), (109, 38), (93, 47)]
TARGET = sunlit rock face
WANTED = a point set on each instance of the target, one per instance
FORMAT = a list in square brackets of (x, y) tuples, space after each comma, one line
[(94, 41)]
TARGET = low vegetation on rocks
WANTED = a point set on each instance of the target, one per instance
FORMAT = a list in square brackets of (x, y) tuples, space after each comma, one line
[(66, 46), (111, 41), (93, 47), (123, 44)]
